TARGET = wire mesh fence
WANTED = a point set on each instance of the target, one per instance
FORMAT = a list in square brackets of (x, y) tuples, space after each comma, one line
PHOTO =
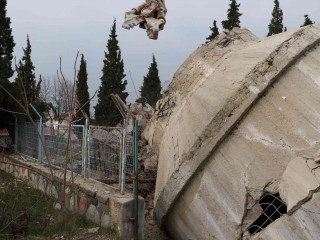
[(104, 153), (64, 144), (129, 174), (104, 158), (28, 140), (273, 207)]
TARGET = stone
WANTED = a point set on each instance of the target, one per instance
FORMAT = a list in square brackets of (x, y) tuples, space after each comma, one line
[(73, 202), (57, 206), (142, 112), (93, 230), (93, 214), (151, 163), (83, 205), (148, 158), (105, 220)]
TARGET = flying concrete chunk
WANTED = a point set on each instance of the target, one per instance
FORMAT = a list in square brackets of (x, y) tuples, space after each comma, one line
[(149, 15)]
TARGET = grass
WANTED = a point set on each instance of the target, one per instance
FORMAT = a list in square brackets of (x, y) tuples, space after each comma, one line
[(26, 211)]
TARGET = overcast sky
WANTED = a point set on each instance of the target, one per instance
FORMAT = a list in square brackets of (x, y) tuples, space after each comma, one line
[(63, 27)]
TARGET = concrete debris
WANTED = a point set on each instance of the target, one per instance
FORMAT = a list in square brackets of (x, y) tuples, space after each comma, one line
[(239, 120), (164, 106), (93, 230), (149, 15), (106, 136), (148, 159), (143, 113)]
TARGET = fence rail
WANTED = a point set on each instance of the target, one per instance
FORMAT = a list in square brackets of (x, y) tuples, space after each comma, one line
[(101, 153)]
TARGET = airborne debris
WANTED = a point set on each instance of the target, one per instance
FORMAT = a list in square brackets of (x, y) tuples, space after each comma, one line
[(149, 15)]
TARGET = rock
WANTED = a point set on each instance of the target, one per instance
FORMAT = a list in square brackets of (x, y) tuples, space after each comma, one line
[(93, 214), (83, 205), (93, 230), (57, 206), (151, 163), (103, 135), (231, 128), (143, 113), (151, 222), (148, 158)]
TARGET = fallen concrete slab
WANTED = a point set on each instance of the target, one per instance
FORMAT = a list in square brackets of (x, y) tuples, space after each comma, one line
[(238, 111)]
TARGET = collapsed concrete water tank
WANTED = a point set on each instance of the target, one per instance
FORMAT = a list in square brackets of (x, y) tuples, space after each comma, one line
[(238, 134)]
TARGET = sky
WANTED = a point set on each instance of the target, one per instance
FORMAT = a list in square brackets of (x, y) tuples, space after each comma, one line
[(61, 28)]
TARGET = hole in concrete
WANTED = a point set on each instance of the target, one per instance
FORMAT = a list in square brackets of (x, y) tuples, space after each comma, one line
[(273, 208)]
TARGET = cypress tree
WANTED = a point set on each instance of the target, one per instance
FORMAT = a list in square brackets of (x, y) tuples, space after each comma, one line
[(151, 88), (6, 49), (233, 16), (26, 79), (82, 90), (6, 46), (214, 32), (307, 21), (276, 25), (106, 112)]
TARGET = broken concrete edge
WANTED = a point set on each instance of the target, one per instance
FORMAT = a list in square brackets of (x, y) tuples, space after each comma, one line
[(304, 200), (290, 213), (300, 186), (260, 78), (225, 42), (96, 201)]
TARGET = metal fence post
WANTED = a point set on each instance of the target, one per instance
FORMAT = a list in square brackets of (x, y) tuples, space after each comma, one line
[(43, 140), (89, 152), (123, 156), (135, 174), (86, 148), (40, 157)]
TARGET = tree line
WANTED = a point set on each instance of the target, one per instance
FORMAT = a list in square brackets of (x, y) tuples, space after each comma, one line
[(48, 96), (233, 20)]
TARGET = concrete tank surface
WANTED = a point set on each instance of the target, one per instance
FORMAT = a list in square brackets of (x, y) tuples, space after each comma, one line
[(238, 129)]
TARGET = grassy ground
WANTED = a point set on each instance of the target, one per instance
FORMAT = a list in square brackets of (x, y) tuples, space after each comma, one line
[(26, 213)]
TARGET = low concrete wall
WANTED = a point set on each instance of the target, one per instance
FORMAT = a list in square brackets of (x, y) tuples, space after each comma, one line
[(98, 202)]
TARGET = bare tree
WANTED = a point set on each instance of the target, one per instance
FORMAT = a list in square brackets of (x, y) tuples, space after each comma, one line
[(54, 92), (60, 92)]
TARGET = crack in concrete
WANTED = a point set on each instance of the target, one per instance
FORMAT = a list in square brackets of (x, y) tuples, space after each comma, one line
[(299, 204), (265, 141)]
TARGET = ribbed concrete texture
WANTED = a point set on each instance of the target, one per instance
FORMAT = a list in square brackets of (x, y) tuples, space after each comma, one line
[(241, 119)]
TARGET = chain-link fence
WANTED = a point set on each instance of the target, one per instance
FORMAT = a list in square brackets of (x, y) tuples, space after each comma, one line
[(101, 153)]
